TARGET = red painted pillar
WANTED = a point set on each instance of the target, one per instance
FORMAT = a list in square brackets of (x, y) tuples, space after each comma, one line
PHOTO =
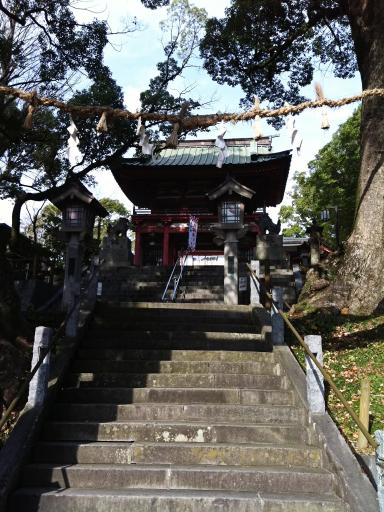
[(138, 247), (166, 230)]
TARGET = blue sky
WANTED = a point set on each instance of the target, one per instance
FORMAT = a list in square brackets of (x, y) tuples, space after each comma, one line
[(135, 63)]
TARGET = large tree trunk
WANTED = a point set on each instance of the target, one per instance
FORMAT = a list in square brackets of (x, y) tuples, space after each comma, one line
[(363, 269)]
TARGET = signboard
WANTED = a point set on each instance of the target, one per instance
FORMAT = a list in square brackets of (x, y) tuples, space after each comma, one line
[(205, 260), (192, 233), (243, 284)]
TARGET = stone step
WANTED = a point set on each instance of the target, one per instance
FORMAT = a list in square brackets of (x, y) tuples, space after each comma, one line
[(153, 326), (214, 356), (193, 340), (203, 281), (178, 396), (187, 367), (199, 301), (135, 273), (174, 432), (225, 478), (100, 412), (177, 315), (201, 294), (177, 453), (155, 500), (174, 310), (156, 283), (176, 380)]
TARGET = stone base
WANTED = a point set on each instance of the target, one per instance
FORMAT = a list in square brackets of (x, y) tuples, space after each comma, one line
[(116, 252)]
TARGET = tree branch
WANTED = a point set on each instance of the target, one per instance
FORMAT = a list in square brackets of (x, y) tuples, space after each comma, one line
[(21, 20), (321, 14)]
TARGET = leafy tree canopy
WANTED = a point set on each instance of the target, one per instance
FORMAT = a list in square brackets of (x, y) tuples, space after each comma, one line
[(34, 162), (115, 209), (332, 181), (272, 47)]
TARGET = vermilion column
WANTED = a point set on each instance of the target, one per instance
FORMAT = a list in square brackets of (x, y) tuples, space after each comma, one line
[(138, 248), (166, 230)]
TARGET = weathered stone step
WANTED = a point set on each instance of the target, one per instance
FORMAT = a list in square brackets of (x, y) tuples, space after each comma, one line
[(177, 355), (177, 380), (203, 281), (202, 293), (197, 340), (142, 500), (226, 478), (174, 432), (177, 453), (200, 301), (188, 367), (165, 327), (178, 396), (175, 412), (178, 311)]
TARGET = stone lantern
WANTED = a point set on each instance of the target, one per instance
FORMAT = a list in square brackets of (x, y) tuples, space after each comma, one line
[(79, 209), (231, 197)]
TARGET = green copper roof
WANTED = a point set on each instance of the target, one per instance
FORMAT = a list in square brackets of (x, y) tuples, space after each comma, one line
[(190, 153)]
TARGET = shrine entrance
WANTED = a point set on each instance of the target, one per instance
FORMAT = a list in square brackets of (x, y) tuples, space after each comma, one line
[(229, 202)]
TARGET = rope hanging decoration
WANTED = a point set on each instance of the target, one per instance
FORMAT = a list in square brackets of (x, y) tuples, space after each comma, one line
[(257, 130), (102, 125), (173, 139), (146, 147), (28, 121), (191, 122), (220, 143), (324, 112)]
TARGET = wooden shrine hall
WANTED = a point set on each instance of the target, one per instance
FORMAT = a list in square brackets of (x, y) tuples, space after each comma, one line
[(168, 188)]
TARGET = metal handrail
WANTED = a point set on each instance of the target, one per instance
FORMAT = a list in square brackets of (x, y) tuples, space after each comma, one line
[(178, 280), (43, 352), (324, 373), (180, 261)]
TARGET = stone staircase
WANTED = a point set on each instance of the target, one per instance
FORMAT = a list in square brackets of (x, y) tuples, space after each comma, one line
[(177, 408), (202, 284), (133, 283), (199, 284)]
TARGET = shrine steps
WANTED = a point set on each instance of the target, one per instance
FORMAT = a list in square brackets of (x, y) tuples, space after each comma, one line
[(204, 284), (177, 421), (199, 284)]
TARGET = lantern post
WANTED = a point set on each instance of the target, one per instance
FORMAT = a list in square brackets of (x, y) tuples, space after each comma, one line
[(79, 209), (231, 197)]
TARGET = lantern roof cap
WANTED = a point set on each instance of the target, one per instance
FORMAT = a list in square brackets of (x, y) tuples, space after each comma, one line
[(76, 190), (230, 186)]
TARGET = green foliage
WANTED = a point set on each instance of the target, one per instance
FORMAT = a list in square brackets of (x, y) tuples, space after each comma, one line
[(332, 181), (121, 132), (353, 349), (272, 48), (49, 225), (115, 209)]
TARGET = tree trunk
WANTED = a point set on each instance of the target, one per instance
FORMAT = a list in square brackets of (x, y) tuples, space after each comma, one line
[(362, 270)]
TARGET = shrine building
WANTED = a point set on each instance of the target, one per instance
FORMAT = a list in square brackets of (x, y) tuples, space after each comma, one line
[(168, 188)]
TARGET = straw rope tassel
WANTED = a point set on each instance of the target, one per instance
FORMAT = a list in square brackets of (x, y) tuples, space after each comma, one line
[(102, 125), (257, 130), (28, 121), (173, 140)]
